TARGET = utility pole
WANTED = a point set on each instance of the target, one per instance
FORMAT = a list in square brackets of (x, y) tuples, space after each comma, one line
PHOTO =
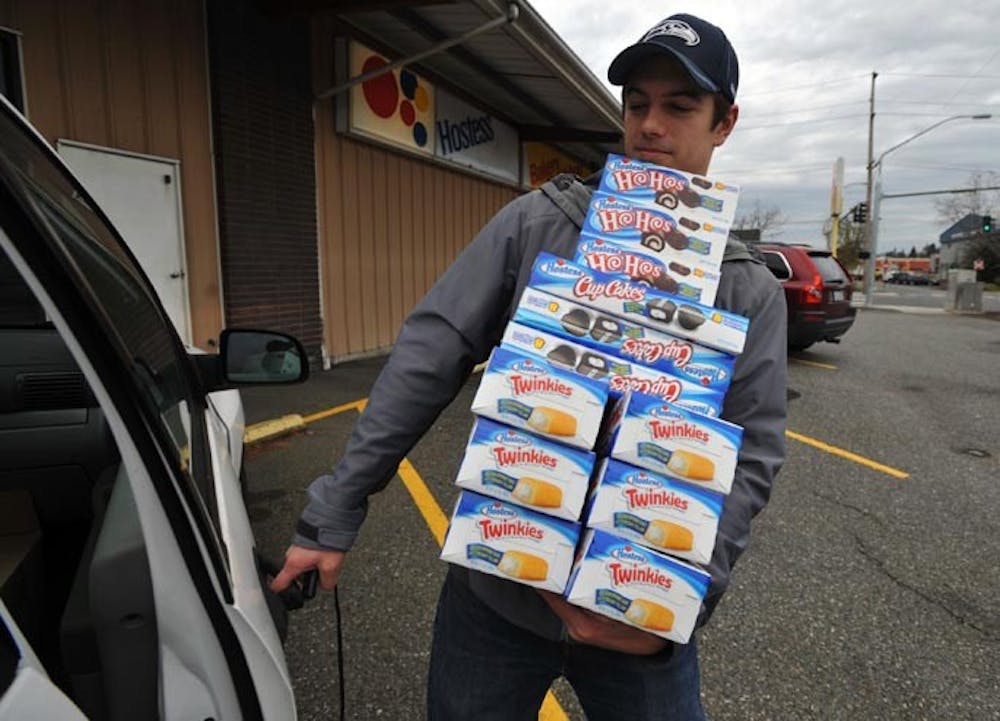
[(869, 277), (836, 204)]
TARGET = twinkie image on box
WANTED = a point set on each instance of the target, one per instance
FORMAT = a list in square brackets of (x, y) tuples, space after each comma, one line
[(516, 466), (676, 518), (635, 585), (698, 282), (672, 235), (706, 367), (646, 432), (640, 303), (512, 542), (526, 392), (621, 374), (705, 199)]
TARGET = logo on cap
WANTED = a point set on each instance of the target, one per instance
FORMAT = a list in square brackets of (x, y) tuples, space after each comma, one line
[(677, 28)]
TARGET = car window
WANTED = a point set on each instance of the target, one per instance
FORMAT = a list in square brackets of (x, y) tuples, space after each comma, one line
[(18, 307), (828, 267), (132, 315), (777, 264)]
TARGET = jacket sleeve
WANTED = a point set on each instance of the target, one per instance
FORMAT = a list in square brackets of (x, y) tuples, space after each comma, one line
[(756, 400), (451, 330)]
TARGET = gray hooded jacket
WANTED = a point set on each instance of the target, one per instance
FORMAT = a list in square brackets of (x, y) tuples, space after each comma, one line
[(463, 317)]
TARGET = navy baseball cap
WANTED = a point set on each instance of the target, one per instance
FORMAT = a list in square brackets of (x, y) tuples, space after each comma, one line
[(702, 48)]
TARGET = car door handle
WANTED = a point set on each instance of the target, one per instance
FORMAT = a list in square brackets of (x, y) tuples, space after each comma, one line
[(177, 274)]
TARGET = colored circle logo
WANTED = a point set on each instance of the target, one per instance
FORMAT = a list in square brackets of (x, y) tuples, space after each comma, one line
[(387, 96)]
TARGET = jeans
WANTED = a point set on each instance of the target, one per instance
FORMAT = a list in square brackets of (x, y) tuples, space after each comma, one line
[(484, 668)]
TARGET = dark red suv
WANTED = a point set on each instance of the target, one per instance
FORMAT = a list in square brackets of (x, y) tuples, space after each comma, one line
[(817, 289)]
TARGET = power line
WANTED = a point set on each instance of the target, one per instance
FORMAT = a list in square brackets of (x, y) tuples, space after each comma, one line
[(941, 75), (822, 83), (809, 110), (806, 122)]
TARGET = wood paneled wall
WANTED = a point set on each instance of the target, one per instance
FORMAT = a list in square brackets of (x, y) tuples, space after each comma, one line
[(133, 75), (389, 224)]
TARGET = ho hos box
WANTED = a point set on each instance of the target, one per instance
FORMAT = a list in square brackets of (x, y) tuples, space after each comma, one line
[(692, 281), (637, 586), (668, 235), (646, 432), (520, 467), (512, 542), (702, 198), (707, 368), (621, 374), (526, 392), (655, 511), (639, 303)]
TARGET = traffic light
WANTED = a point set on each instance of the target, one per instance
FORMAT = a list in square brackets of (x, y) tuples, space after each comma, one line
[(987, 223), (860, 212)]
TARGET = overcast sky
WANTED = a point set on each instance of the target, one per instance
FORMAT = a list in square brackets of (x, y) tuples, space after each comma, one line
[(805, 80)]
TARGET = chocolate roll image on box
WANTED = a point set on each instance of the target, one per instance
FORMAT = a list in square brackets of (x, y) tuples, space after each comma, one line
[(638, 303), (644, 431), (666, 234), (512, 542), (535, 395), (622, 375), (703, 366), (520, 467), (638, 586), (697, 282), (669, 516), (704, 199)]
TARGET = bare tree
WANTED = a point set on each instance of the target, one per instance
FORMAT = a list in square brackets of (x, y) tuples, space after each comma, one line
[(952, 208), (767, 219)]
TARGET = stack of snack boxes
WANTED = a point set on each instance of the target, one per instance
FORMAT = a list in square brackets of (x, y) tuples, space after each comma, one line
[(598, 466)]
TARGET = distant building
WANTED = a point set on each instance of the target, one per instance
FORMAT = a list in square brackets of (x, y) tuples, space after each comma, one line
[(748, 235), (922, 266), (955, 240)]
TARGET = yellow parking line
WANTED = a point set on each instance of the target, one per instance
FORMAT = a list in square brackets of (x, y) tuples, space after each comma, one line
[(874, 465), (357, 405), (437, 522), (813, 364)]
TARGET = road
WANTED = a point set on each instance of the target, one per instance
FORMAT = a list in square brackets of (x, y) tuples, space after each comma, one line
[(871, 587), (922, 296)]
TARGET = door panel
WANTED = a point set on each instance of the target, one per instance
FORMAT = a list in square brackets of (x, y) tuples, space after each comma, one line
[(141, 196)]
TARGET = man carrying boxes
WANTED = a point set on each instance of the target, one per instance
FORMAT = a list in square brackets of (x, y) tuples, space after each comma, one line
[(498, 643)]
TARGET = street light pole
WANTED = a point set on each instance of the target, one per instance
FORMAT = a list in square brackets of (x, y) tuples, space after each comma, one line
[(871, 227), (869, 275)]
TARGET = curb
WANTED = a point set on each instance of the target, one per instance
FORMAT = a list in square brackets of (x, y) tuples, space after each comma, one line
[(266, 430)]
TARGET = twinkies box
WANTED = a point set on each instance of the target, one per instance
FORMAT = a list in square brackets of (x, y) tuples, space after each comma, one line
[(692, 281), (522, 468), (705, 367), (701, 198), (528, 393), (637, 586), (621, 375), (512, 542), (644, 431), (676, 518), (639, 303), (672, 235)]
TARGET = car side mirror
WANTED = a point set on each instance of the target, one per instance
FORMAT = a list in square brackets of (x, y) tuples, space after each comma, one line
[(261, 357)]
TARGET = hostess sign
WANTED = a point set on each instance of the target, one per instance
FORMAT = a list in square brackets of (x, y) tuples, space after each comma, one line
[(468, 136)]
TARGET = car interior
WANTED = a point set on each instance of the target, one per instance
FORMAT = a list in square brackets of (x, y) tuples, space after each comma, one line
[(74, 571)]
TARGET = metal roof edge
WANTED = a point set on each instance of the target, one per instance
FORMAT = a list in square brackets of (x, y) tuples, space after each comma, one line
[(551, 49)]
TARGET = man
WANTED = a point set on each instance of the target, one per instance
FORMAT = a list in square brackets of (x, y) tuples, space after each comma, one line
[(498, 645)]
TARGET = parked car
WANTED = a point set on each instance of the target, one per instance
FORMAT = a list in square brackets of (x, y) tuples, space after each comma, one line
[(130, 586), (900, 277), (818, 292)]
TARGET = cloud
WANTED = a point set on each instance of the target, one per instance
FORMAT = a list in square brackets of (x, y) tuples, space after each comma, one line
[(805, 82)]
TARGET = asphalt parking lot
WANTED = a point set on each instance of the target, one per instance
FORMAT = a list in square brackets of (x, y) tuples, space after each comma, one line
[(870, 589)]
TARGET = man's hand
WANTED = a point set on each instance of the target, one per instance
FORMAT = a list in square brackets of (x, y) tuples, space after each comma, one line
[(594, 629), (298, 560)]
